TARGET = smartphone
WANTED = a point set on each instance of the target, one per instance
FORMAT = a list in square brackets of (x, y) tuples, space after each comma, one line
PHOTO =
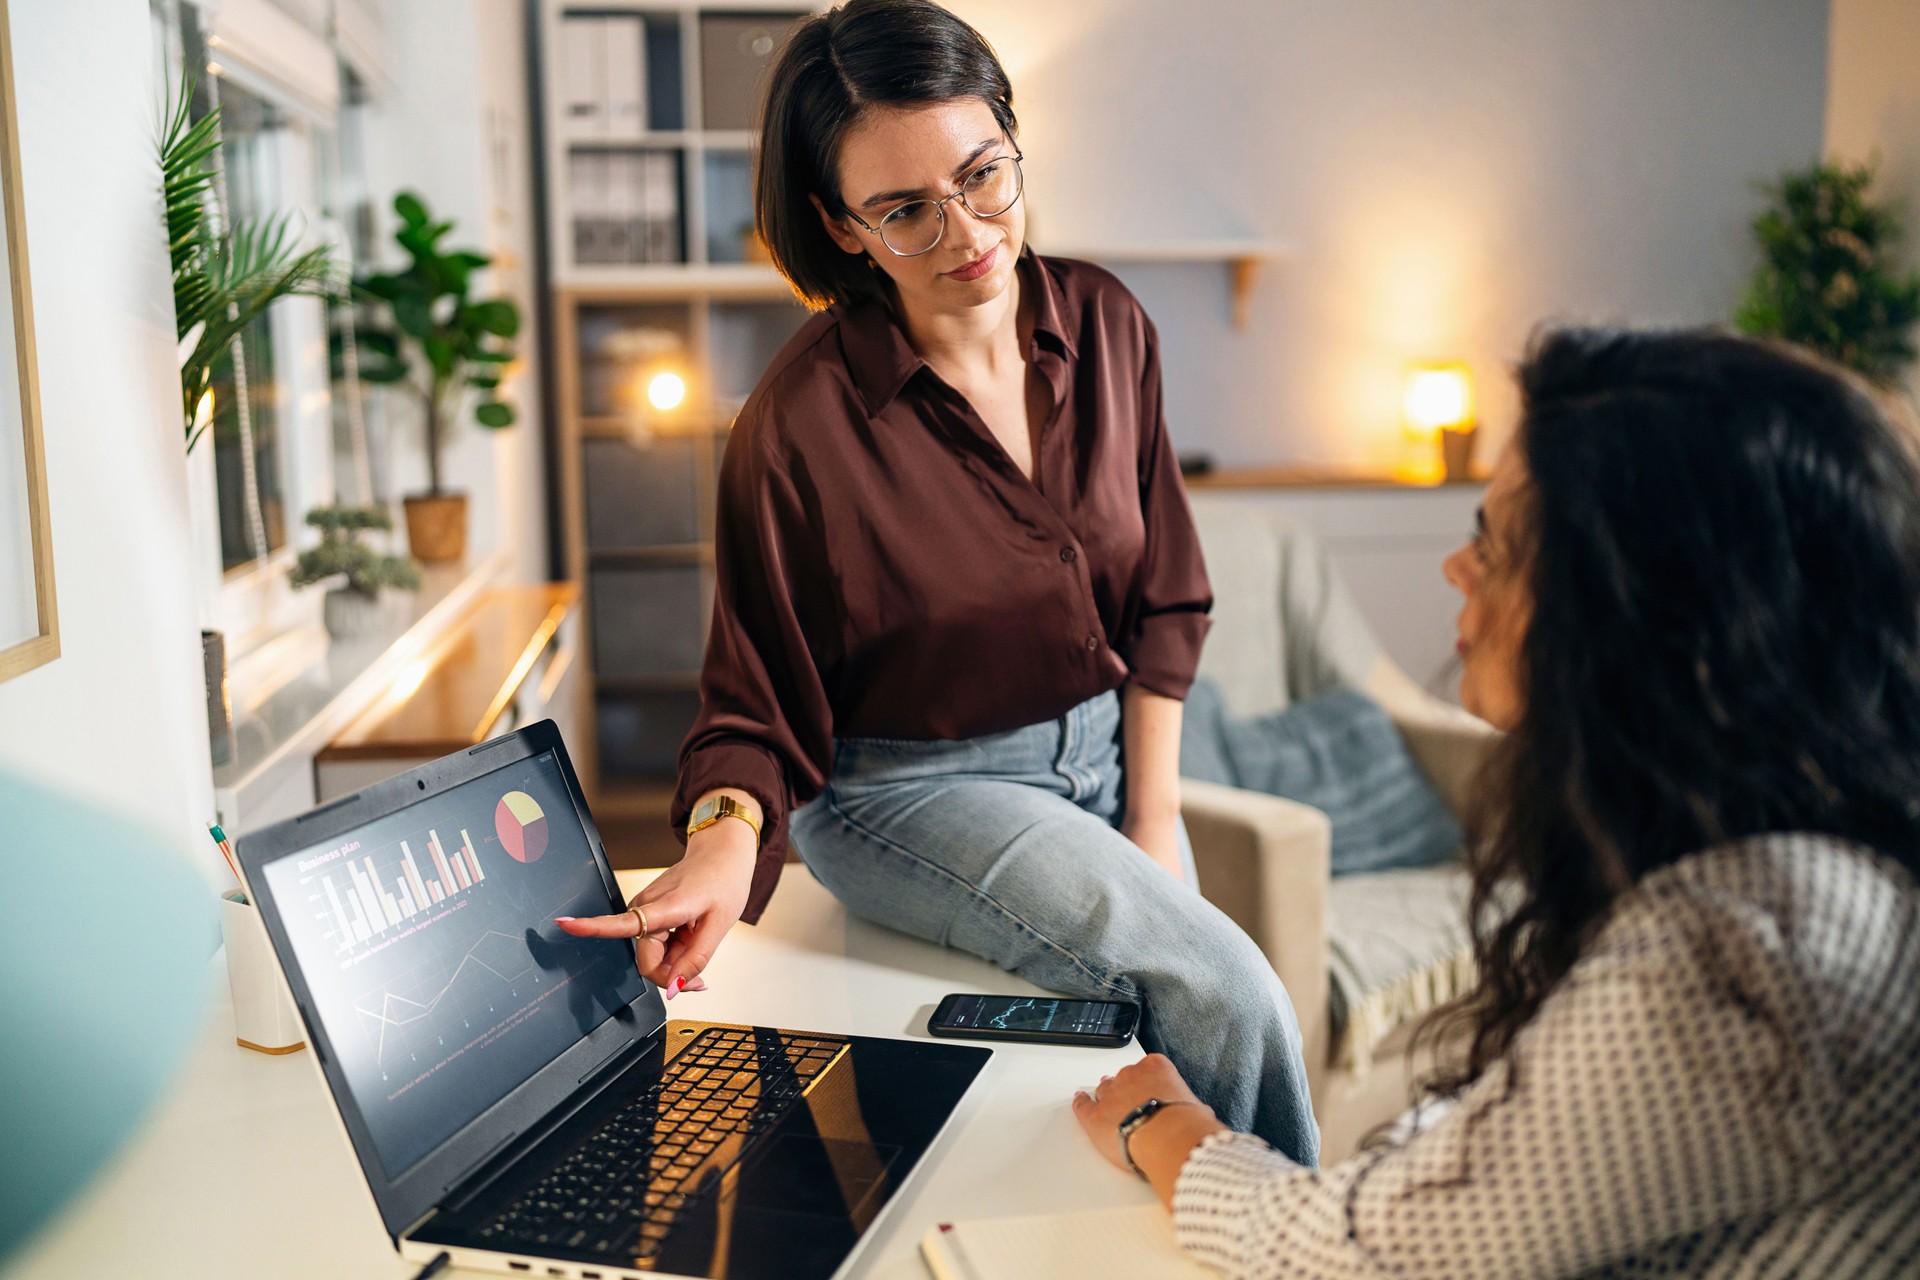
[(1106, 1024)]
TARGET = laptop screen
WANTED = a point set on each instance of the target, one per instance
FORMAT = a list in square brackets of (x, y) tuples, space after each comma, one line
[(427, 942)]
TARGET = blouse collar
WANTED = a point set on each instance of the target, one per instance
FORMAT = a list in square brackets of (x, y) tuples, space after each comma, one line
[(882, 361)]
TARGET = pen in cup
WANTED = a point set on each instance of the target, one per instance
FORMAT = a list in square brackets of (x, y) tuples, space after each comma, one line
[(226, 848)]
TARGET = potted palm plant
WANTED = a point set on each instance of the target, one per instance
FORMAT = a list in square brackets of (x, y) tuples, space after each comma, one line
[(445, 346), (225, 275)]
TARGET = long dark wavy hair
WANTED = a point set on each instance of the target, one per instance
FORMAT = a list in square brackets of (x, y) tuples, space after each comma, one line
[(1722, 539)]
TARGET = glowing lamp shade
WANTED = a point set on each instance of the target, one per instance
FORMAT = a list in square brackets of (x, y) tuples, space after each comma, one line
[(666, 390), (1438, 395)]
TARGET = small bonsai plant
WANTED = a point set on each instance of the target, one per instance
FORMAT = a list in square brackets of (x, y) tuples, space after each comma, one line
[(350, 607), (1827, 278), (224, 277), (444, 345)]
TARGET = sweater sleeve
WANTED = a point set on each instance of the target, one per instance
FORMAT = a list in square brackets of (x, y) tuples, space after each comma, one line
[(1161, 644), (765, 725), (1649, 1102)]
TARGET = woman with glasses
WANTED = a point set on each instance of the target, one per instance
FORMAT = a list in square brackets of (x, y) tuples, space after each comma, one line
[(960, 596)]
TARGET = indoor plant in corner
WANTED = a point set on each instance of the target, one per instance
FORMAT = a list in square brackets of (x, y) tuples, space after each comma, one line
[(1829, 277), (448, 348), (352, 609)]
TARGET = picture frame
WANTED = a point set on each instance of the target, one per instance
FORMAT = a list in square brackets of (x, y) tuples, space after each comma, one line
[(29, 621)]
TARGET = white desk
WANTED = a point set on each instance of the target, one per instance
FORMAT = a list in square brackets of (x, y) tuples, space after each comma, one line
[(244, 1170)]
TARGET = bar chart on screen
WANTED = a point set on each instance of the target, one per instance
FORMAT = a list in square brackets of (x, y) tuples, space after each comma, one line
[(364, 903)]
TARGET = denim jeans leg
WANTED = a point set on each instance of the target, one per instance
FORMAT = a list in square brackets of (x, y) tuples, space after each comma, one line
[(1028, 879)]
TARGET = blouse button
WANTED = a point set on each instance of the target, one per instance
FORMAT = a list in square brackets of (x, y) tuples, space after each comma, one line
[(1093, 641), (1068, 555)]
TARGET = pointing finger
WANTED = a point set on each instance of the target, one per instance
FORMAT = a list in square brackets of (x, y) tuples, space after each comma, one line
[(624, 925)]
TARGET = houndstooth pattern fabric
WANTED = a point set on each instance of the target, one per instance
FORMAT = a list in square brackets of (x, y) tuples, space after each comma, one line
[(1727, 1084)]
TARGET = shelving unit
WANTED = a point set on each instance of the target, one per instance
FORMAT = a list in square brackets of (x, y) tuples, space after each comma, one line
[(638, 90)]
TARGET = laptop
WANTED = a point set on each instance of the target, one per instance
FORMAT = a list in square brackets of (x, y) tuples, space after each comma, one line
[(516, 1096)]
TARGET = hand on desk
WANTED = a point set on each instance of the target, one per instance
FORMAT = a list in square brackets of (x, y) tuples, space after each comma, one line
[(1161, 1146), (689, 909)]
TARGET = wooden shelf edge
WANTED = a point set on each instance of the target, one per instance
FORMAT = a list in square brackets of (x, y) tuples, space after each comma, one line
[(1308, 476), (671, 282), (675, 556)]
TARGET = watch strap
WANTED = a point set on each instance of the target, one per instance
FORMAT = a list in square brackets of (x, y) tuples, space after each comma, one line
[(1139, 1116), (711, 811)]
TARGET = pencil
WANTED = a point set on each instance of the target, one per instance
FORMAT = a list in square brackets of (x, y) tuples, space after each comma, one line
[(226, 850)]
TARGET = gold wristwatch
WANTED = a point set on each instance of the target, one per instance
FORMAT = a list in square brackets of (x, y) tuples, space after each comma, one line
[(711, 811)]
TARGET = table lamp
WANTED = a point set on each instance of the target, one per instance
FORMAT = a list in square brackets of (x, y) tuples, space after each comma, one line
[(1438, 405)]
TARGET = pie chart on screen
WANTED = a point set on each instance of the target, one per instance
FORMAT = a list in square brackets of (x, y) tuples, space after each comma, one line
[(522, 826)]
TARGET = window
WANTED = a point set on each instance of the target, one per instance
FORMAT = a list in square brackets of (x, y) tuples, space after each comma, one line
[(248, 397)]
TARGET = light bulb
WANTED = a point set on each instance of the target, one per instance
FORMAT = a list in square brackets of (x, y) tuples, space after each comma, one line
[(1438, 396), (666, 391)]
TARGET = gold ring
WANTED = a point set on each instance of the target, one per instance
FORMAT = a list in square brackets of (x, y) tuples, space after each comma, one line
[(641, 916)]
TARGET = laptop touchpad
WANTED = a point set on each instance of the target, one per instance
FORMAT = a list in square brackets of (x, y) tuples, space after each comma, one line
[(798, 1208), (800, 1173)]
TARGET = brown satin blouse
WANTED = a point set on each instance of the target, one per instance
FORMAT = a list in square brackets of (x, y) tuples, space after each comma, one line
[(884, 570)]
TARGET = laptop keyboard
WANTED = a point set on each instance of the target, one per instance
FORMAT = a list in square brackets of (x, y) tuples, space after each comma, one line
[(622, 1189)]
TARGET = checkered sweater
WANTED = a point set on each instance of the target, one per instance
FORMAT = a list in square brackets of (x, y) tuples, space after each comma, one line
[(1727, 1084)]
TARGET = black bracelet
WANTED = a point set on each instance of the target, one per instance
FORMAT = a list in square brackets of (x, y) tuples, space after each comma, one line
[(1139, 1116)]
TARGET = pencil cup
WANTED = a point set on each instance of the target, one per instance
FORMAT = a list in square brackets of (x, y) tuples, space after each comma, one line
[(264, 1018)]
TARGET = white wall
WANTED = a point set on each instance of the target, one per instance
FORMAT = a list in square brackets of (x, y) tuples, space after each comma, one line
[(119, 715), (1452, 171), (1873, 103), (457, 133)]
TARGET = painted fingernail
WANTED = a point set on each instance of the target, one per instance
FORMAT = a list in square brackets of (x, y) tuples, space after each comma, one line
[(674, 987), (563, 919)]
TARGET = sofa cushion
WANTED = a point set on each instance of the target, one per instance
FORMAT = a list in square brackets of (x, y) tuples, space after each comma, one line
[(1284, 626), (1397, 948), (1337, 751)]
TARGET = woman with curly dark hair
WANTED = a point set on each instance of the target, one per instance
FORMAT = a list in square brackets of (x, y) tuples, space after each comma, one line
[(1693, 603)]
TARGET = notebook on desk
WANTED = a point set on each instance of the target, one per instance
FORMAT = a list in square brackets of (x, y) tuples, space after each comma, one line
[(515, 1096), (1133, 1243)]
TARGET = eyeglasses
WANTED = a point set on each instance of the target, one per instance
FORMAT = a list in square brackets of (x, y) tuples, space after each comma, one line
[(916, 226)]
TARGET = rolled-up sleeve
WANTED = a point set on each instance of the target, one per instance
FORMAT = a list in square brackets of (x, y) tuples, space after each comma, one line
[(1654, 1103), (1161, 646), (765, 725)]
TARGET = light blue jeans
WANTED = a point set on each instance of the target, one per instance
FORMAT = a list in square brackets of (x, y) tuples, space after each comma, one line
[(1007, 846)]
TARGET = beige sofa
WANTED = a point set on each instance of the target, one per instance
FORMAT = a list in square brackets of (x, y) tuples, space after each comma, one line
[(1364, 956)]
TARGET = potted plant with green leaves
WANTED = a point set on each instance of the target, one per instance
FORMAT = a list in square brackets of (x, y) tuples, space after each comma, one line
[(225, 275), (1828, 277), (352, 609), (445, 346)]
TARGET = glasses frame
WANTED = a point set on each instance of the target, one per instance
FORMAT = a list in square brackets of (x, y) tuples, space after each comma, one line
[(940, 206)]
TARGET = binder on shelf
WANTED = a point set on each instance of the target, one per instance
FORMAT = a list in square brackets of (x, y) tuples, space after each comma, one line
[(626, 90), (589, 189), (624, 210), (660, 205), (584, 82)]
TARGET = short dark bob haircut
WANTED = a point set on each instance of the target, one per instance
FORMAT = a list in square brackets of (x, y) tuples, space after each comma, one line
[(834, 66)]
